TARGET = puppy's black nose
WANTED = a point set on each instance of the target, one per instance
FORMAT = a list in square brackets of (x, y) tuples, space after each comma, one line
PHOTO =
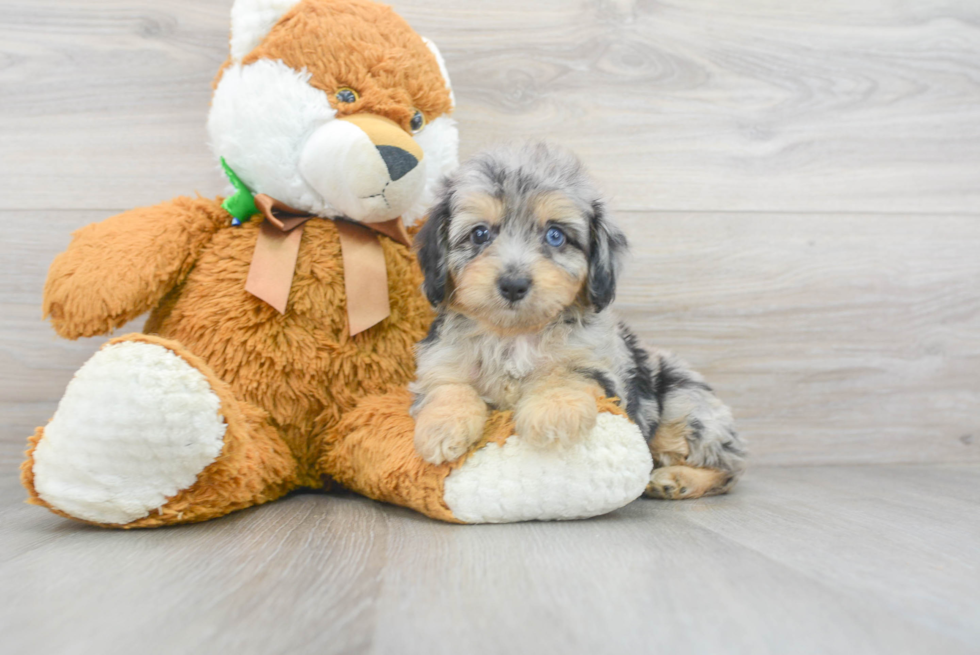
[(398, 161), (513, 288)]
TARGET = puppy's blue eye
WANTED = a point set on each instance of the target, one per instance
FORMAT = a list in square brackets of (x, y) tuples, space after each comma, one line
[(555, 237), (480, 234)]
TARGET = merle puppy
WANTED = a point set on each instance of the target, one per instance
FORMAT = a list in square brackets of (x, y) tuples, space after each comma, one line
[(520, 260)]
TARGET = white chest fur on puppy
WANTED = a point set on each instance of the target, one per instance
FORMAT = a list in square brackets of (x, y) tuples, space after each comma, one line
[(517, 357)]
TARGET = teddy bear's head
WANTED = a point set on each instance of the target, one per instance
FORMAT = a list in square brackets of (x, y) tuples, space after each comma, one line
[(334, 107)]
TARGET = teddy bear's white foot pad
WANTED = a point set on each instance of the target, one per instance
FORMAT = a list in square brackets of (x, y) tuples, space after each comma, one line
[(520, 482), (136, 425)]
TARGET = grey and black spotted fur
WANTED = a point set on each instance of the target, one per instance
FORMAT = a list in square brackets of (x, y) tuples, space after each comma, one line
[(488, 350)]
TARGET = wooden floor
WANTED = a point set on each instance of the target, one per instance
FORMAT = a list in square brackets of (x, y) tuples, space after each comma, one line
[(846, 560), (801, 185)]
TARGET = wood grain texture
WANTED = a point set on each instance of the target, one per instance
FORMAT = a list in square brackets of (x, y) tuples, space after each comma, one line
[(837, 336), (104, 104), (703, 105), (803, 560), (836, 339), (799, 182)]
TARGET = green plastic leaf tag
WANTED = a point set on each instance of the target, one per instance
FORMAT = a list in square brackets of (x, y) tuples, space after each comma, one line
[(240, 204)]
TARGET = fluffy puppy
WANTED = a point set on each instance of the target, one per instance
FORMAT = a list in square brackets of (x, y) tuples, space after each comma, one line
[(521, 261)]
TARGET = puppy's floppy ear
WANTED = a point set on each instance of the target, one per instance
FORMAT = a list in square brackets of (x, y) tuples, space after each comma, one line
[(432, 244), (607, 245)]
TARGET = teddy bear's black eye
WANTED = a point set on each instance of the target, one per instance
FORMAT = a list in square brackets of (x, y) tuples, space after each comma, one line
[(418, 122), (346, 95), (480, 234)]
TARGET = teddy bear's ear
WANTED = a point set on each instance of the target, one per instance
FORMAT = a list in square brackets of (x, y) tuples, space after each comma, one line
[(442, 68), (251, 21)]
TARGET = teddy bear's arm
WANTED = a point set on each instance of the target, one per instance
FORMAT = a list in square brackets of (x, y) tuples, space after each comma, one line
[(115, 270)]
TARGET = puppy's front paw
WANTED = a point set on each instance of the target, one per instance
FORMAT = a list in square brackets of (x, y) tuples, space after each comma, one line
[(561, 415), (449, 424)]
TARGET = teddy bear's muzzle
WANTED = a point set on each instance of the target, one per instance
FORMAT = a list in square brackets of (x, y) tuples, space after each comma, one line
[(366, 166)]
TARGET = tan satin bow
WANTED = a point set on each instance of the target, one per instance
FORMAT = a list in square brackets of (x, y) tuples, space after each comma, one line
[(270, 275)]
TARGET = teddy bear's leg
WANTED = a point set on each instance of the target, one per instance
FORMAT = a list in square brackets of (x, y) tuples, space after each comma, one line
[(504, 478), (147, 435)]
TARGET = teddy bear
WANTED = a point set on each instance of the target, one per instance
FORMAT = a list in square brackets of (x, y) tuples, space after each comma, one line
[(283, 317)]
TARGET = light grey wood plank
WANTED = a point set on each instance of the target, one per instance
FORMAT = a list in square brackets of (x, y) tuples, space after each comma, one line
[(638, 581), (104, 103), (803, 559), (296, 577), (908, 536), (23, 527), (793, 106), (835, 338), (35, 364), (834, 106)]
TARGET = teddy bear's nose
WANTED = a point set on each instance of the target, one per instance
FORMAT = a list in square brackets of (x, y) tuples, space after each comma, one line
[(398, 161)]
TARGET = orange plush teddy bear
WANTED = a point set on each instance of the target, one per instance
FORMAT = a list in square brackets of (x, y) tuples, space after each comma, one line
[(283, 318)]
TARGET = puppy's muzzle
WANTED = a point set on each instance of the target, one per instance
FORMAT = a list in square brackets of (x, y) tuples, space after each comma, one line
[(513, 287)]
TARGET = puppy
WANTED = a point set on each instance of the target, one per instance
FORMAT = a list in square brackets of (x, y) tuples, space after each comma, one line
[(521, 261)]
